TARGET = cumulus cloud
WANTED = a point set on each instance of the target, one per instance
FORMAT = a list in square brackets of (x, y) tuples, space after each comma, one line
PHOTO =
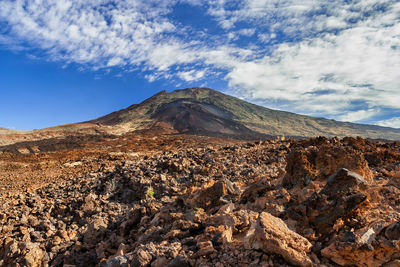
[(192, 75), (338, 59), (320, 71), (355, 65), (393, 122), (358, 115)]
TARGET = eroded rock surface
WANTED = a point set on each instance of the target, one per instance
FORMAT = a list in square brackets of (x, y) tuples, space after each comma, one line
[(272, 235), (306, 164), (314, 202), (342, 194)]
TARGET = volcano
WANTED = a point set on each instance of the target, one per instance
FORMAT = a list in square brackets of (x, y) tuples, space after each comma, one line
[(205, 111)]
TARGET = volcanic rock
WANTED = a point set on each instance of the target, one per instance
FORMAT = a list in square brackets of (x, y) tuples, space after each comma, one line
[(319, 162), (392, 232), (193, 201), (213, 195), (272, 235), (342, 194), (368, 250)]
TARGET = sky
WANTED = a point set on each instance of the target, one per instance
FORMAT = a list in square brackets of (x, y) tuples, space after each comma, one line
[(75, 60)]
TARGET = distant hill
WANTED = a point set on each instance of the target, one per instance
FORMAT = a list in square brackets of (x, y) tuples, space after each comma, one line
[(7, 131), (208, 112)]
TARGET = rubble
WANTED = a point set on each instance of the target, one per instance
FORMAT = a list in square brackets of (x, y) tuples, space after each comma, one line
[(272, 235), (268, 203), (306, 164)]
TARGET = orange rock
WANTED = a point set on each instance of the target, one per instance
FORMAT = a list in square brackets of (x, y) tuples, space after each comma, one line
[(307, 164), (272, 235)]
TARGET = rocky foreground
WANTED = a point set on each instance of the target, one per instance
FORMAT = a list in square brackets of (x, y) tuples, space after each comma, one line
[(315, 202)]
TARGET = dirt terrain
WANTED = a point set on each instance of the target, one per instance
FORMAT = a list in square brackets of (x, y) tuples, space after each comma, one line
[(36, 163), (147, 199)]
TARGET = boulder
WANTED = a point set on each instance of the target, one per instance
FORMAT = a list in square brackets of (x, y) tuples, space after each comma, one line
[(143, 258), (342, 194), (272, 235), (380, 252), (96, 231), (33, 255), (230, 222), (307, 164), (118, 261), (214, 195), (393, 231)]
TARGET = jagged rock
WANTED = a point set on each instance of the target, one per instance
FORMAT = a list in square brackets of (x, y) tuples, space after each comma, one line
[(254, 191), (90, 203), (358, 254), (272, 235), (367, 237), (160, 262), (119, 261), (142, 258), (32, 255), (193, 213), (179, 261), (369, 246), (96, 230), (230, 222), (132, 218), (213, 195), (11, 248), (226, 221), (394, 263), (205, 248), (392, 232), (300, 168), (307, 164), (343, 193)]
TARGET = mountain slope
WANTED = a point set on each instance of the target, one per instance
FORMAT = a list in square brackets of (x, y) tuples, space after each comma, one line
[(205, 111), (6, 131)]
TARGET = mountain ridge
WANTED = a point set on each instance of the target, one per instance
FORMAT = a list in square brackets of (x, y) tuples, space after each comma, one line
[(182, 110), (204, 111)]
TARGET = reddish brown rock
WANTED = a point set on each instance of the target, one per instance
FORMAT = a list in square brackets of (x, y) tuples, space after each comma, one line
[(342, 194), (272, 235), (358, 254), (205, 248), (319, 162), (125, 208), (34, 255), (212, 196)]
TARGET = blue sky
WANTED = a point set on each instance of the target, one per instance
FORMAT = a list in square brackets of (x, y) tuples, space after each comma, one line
[(74, 60)]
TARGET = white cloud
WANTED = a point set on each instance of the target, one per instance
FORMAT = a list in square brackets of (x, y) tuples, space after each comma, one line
[(393, 122), (247, 32), (359, 115), (151, 77), (358, 64), (327, 73), (105, 33), (192, 75), (265, 37), (114, 61)]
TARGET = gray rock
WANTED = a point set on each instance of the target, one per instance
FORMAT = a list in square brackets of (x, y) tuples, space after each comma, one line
[(119, 261), (392, 232)]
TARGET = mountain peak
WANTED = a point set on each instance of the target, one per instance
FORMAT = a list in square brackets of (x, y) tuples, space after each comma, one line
[(200, 110), (163, 92)]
